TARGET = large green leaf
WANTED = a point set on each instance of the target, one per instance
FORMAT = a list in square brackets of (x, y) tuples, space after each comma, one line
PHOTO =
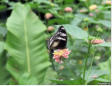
[(4, 75), (26, 45)]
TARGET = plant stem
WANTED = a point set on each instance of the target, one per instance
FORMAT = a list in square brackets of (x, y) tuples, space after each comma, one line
[(90, 68), (86, 60)]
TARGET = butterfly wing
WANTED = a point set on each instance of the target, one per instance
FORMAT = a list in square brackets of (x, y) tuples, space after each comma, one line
[(58, 40)]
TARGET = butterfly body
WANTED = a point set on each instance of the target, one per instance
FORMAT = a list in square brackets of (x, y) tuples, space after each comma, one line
[(58, 40)]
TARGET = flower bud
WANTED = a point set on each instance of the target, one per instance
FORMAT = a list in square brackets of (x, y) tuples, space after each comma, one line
[(97, 41), (68, 9), (91, 14), (83, 10), (50, 28), (92, 7), (52, 4), (108, 2), (48, 15), (86, 19)]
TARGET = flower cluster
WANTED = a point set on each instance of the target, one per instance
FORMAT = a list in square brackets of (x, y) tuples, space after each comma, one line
[(60, 53)]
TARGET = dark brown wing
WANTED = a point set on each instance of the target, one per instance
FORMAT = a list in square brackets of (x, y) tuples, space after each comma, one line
[(58, 40)]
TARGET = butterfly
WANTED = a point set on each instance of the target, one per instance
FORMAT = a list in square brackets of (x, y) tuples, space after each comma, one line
[(58, 40)]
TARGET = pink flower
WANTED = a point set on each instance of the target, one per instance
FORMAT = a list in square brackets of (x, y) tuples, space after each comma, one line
[(91, 14), (50, 28), (66, 53), (97, 41), (56, 56), (60, 53), (68, 9), (48, 15)]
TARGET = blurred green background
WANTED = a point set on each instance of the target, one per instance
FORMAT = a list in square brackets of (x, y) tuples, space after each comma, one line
[(25, 25)]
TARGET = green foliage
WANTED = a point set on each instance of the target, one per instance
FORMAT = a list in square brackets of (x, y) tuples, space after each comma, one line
[(106, 44), (106, 66), (69, 82), (78, 31), (4, 75), (24, 57), (27, 63)]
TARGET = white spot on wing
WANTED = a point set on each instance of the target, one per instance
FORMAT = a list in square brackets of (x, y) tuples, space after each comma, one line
[(55, 44), (62, 28), (62, 34), (61, 38)]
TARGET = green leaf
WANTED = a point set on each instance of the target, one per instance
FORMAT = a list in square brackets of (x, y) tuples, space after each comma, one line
[(4, 75), (3, 7), (1, 47), (42, 1), (95, 74), (26, 45), (107, 13), (50, 74), (106, 66), (78, 18), (105, 44), (75, 32), (3, 31), (106, 23)]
